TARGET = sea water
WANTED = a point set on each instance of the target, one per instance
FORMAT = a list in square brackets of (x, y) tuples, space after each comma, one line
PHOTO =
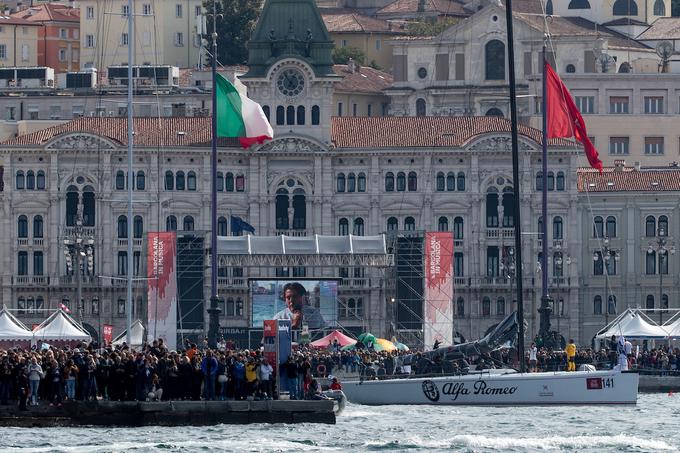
[(650, 426)]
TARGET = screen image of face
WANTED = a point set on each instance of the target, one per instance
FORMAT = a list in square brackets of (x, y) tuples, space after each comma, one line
[(304, 302)]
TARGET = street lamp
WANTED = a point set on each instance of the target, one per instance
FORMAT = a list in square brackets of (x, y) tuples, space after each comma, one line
[(79, 246), (559, 301), (508, 267), (660, 246), (607, 253)]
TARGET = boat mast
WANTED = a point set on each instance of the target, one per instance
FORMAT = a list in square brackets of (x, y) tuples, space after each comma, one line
[(515, 185), (131, 179), (544, 310)]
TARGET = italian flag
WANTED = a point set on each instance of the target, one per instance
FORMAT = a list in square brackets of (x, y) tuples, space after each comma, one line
[(238, 116)]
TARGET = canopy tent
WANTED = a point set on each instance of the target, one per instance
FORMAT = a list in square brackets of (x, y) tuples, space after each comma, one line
[(324, 342), (60, 327), (307, 245), (634, 325), (673, 329), (12, 330), (137, 331)]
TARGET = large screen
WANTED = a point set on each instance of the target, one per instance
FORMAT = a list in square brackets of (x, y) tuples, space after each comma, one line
[(311, 303)]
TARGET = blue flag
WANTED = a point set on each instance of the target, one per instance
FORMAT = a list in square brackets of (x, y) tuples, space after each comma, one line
[(238, 226)]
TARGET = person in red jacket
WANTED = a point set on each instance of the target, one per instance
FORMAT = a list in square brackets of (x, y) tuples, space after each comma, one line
[(335, 384)]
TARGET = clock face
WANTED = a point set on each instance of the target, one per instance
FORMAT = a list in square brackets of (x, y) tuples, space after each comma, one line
[(290, 82)]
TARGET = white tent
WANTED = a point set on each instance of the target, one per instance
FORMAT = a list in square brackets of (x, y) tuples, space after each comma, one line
[(136, 335), (60, 327), (673, 329), (11, 329), (633, 325)]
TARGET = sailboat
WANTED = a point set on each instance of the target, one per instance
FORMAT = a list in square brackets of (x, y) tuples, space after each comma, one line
[(505, 387)]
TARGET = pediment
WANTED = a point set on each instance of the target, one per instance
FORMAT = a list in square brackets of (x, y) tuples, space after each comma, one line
[(80, 141), (292, 145), (498, 144)]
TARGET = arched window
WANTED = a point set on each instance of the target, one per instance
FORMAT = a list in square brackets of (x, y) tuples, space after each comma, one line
[(539, 180), (301, 115), (171, 223), (663, 225), (220, 181), (358, 229), (392, 224), (71, 205), (316, 115), (460, 182), (188, 223), (229, 182), (659, 8), (120, 180), (508, 220), (389, 182), (20, 181), (169, 180), (650, 262), (265, 110), (486, 306), (443, 224), (598, 263), (361, 182), (540, 228), (30, 180), (37, 226), (138, 227), (401, 181), (598, 227), (412, 181), (549, 8), (240, 183), (290, 115), (649, 303), (650, 226), (341, 182), (557, 264), (494, 59), (570, 69), (558, 228), (441, 182), (280, 115), (351, 183), (597, 305), (141, 180), (179, 180), (40, 180), (450, 182), (500, 306), (551, 181), (460, 307), (88, 206), (559, 183), (611, 226), (611, 304), (625, 8), (421, 107), (458, 227), (191, 180), (222, 226), (409, 224), (343, 227), (492, 210), (494, 112), (122, 227), (22, 226), (579, 4)]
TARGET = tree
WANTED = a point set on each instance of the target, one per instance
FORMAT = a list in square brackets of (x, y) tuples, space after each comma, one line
[(430, 27), (341, 55), (234, 28)]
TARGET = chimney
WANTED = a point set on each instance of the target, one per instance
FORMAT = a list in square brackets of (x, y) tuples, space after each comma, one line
[(619, 165)]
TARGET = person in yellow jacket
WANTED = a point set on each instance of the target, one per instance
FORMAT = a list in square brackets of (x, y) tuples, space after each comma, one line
[(251, 377), (571, 355)]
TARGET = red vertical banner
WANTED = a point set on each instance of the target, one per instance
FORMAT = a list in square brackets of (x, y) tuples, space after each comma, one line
[(269, 340), (438, 309), (162, 298), (107, 334)]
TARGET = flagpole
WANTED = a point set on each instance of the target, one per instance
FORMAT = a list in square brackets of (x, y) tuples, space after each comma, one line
[(213, 311), (515, 185), (544, 309)]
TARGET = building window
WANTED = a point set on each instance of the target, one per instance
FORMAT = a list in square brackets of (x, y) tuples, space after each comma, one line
[(179, 39), (30, 180), (619, 145), (611, 304), (409, 224), (412, 181), (188, 223), (340, 186), (611, 226), (579, 4), (343, 227), (494, 57), (650, 262), (351, 182), (22, 263), (146, 9), (178, 10), (122, 263), (222, 226), (500, 306), (392, 224), (3, 51), (450, 181), (654, 145), (458, 228), (443, 224), (441, 183), (460, 307), (663, 262), (20, 181), (460, 182), (389, 182), (138, 227), (663, 225), (122, 227), (316, 115), (37, 227), (40, 180), (598, 264), (90, 41), (191, 180), (141, 180), (358, 229), (659, 8), (123, 39), (38, 261), (361, 182), (585, 104), (597, 305), (571, 69), (618, 104), (339, 108), (62, 54), (458, 263), (179, 180), (169, 180), (559, 181), (401, 181), (421, 107), (89, 12), (301, 115), (625, 8), (653, 104), (290, 115), (240, 183), (22, 227), (121, 306), (650, 226), (551, 181), (486, 306), (120, 180), (280, 115), (558, 228), (354, 110), (229, 182), (220, 181), (171, 223)]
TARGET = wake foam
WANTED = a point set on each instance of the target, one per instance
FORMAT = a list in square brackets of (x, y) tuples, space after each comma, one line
[(617, 442)]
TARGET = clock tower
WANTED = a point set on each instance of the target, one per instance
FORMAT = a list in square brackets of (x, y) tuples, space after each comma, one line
[(291, 69)]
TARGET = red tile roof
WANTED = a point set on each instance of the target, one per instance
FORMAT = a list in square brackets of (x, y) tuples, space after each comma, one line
[(348, 21), (49, 12), (363, 80), (415, 132), (11, 20), (629, 179), (441, 7)]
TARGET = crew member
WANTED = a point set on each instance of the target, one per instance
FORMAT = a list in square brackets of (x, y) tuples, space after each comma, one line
[(571, 355), (621, 351)]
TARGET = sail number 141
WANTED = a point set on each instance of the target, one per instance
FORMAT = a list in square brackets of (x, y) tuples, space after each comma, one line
[(599, 383)]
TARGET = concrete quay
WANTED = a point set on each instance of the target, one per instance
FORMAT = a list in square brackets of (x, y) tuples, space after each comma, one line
[(169, 413)]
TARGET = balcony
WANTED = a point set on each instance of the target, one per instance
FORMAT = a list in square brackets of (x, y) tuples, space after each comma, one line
[(232, 282), (22, 241), (293, 233), (38, 242), (86, 231), (350, 283), (39, 280), (502, 233)]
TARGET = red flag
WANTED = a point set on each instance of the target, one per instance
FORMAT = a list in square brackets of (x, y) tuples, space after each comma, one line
[(564, 119), (65, 308)]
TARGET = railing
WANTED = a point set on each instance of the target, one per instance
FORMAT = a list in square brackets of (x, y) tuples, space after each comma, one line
[(231, 282), (355, 283), (22, 241), (137, 242), (460, 281), (30, 280), (86, 231), (505, 233), (122, 242), (293, 233), (458, 243), (38, 242)]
